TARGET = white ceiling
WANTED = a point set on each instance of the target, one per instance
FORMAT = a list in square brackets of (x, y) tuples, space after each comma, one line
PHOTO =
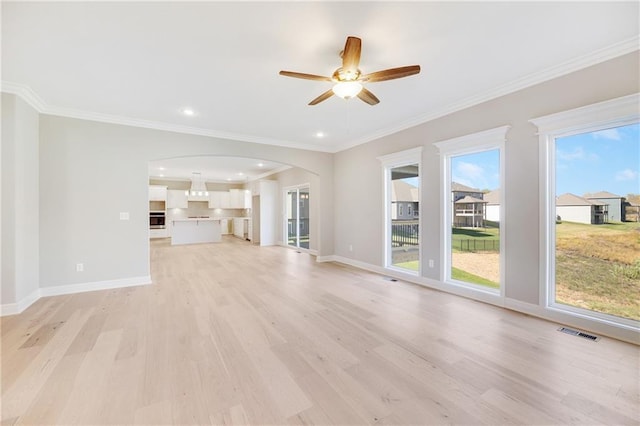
[(142, 63), (214, 169)]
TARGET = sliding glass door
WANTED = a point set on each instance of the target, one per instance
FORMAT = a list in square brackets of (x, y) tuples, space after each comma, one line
[(297, 217)]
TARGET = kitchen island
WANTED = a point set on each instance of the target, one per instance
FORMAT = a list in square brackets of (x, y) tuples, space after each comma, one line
[(195, 230)]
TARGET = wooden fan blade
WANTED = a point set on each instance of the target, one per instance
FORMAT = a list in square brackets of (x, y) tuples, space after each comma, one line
[(305, 76), (351, 54), (391, 73), (368, 97), (326, 95)]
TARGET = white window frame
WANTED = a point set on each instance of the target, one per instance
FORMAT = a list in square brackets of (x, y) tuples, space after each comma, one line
[(603, 115), (390, 161), (469, 144)]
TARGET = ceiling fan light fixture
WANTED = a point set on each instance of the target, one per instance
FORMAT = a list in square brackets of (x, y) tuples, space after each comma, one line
[(347, 89)]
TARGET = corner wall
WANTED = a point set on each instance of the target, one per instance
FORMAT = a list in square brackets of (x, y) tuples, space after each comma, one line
[(20, 204)]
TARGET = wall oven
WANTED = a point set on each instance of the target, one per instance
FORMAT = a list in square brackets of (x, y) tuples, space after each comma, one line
[(156, 220)]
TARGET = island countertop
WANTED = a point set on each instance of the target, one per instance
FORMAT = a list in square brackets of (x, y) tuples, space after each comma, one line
[(193, 219), (194, 230)]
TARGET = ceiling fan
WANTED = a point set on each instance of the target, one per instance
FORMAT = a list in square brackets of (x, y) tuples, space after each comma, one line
[(348, 78)]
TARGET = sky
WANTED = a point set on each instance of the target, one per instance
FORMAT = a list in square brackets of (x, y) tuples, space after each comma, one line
[(480, 171), (606, 160)]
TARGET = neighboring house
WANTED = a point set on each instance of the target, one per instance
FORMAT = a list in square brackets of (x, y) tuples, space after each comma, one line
[(492, 207), (615, 202), (573, 208), (632, 211), (404, 201), (468, 206)]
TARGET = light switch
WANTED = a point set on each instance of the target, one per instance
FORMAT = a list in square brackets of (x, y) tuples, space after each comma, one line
[(124, 215)]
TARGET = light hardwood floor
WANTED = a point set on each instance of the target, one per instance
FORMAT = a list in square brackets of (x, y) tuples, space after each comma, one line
[(231, 333)]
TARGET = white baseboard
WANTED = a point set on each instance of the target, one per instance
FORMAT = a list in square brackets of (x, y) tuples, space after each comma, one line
[(593, 325), (583, 322), (16, 308), (303, 250), (493, 299), (19, 307), (330, 258)]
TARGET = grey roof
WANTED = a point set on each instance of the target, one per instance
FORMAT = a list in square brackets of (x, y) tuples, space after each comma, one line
[(601, 194), (570, 199), (458, 187), (402, 191), (492, 197), (468, 199)]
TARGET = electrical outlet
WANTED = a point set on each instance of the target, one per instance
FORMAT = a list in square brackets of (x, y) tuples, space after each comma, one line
[(124, 215), (79, 267), (350, 247), (430, 263)]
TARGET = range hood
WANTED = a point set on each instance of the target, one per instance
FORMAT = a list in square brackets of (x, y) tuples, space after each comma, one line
[(198, 188)]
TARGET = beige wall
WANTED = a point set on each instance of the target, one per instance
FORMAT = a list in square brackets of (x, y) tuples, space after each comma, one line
[(90, 172), (20, 204), (358, 174)]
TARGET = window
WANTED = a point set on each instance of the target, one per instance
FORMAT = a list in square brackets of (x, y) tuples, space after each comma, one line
[(589, 185), (473, 210), (402, 232)]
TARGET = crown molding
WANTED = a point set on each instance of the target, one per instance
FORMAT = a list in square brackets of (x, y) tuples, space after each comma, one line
[(614, 111), (486, 139), (619, 49), (610, 52), (29, 96)]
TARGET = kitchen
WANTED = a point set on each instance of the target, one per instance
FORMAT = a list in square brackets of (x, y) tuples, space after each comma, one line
[(204, 206)]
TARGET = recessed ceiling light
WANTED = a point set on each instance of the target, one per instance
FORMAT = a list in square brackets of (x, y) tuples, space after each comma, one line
[(228, 179), (161, 175), (240, 174), (160, 168), (319, 134), (188, 111), (260, 165)]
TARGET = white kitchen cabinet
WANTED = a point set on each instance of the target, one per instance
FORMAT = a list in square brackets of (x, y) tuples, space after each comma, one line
[(224, 226), (219, 200), (177, 199), (241, 227), (158, 233), (157, 193), (246, 199), (240, 198)]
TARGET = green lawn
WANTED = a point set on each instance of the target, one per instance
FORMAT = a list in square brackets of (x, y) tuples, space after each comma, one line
[(411, 265), (460, 275), (597, 267), (462, 239)]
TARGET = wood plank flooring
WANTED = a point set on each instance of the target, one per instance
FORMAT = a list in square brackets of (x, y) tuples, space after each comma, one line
[(231, 333)]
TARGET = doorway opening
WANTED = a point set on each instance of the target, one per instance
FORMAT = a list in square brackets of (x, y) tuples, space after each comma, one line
[(297, 216)]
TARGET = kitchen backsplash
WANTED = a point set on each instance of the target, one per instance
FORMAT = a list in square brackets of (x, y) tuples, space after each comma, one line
[(201, 208)]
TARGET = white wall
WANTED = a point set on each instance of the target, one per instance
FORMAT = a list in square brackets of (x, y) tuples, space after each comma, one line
[(579, 214), (493, 212), (20, 203), (358, 175)]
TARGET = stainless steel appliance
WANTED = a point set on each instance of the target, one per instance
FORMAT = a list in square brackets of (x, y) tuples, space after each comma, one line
[(156, 219)]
